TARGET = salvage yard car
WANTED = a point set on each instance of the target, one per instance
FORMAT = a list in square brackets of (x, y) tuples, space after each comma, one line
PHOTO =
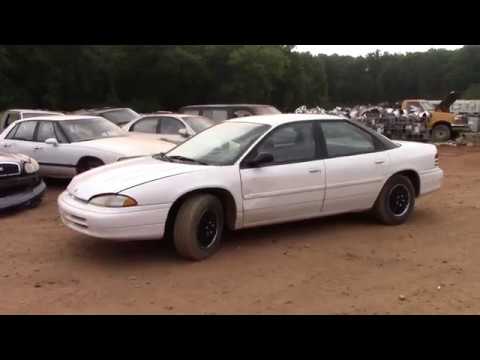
[(12, 115), (20, 182), (248, 172), (175, 128), (68, 145), (118, 116), (219, 113)]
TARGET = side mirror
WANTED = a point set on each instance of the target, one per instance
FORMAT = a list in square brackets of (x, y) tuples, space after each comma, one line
[(183, 132), (51, 141), (262, 158)]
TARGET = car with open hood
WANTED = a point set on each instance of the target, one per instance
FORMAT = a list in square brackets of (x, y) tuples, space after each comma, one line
[(248, 172), (67, 145), (20, 182)]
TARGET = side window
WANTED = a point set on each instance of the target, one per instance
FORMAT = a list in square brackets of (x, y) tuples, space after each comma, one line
[(25, 131), (148, 126), (45, 131), (216, 115), (290, 143), (61, 138), (170, 126), (344, 139), (11, 118)]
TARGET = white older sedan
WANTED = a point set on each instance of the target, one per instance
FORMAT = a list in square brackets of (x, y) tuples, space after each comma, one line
[(247, 172), (68, 145), (174, 128)]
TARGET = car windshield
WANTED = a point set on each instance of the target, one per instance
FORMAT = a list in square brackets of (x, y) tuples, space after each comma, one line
[(221, 144), (90, 129), (427, 106), (198, 123), (120, 116)]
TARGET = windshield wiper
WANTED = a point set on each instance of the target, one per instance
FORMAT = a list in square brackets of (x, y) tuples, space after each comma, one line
[(162, 156), (183, 158)]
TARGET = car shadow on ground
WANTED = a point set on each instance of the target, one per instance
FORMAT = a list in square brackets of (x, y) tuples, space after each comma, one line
[(133, 252), (59, 184)]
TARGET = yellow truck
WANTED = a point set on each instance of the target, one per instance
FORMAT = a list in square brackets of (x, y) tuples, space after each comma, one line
[(442, 123)]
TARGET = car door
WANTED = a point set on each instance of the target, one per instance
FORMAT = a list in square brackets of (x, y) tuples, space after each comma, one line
[(55, 160), (356, 166), (20, 139), (293, 185), (169, 129)]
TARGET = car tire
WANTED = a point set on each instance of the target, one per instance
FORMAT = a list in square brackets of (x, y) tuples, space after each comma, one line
[(441, 133), (88, 164), (198, 227), (396, 201)]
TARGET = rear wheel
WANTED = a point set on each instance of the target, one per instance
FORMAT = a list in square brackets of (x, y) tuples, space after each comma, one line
[(198, 227), (88, 164), (441, 133), (396, 201)]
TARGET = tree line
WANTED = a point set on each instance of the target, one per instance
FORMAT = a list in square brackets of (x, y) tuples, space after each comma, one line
[(151, 78)]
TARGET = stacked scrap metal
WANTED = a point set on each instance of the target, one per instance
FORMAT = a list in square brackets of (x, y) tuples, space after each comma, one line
[(393, 123)]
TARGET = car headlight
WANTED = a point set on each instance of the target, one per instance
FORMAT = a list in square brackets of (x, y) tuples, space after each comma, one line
[(31, 167), (113, 200)]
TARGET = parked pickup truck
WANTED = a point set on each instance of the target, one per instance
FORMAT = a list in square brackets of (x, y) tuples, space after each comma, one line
[(10, 116), (442, 122)]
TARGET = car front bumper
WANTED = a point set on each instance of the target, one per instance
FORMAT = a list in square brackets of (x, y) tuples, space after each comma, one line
[(22, 198), (461, 127), (430, 181), (120, 224)]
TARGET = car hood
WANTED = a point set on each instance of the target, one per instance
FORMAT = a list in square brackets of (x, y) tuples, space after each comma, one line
[(158, 137), (18, 158), (123, 175), (129, 145)]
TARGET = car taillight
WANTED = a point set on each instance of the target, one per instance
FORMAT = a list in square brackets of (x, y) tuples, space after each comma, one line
[(437, 162)]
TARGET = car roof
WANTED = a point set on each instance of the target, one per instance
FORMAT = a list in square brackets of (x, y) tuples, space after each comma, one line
[(36, 111), (59, 118), (170, 115), (226, 105), (279, 119)]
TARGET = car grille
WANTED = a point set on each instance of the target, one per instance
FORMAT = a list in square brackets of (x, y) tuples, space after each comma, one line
[(18, 184), (9, 169), (75, 220)]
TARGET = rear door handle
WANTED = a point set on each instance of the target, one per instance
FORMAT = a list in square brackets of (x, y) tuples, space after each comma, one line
[(37, 148), (7, 145), (379, 162), (314, 171)]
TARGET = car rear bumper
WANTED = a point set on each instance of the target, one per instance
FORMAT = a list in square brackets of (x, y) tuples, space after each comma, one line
[(430, 181), (23, 197), (120, 224)]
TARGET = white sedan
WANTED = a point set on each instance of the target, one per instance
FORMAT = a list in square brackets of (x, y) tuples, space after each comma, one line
[(248, 172), (174, 128), (68, 145)]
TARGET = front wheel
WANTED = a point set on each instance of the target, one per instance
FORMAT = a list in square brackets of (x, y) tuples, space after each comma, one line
[(441, 133), (396, 201), (198, 227), (88, 164)]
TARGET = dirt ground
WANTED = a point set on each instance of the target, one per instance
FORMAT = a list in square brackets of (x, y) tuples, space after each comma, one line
[(345, 264)]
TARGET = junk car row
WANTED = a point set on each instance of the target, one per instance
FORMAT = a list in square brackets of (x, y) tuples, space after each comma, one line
[(189, 177)]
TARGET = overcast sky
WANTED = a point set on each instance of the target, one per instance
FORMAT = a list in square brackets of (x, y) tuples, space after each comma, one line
[(362, 50)]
